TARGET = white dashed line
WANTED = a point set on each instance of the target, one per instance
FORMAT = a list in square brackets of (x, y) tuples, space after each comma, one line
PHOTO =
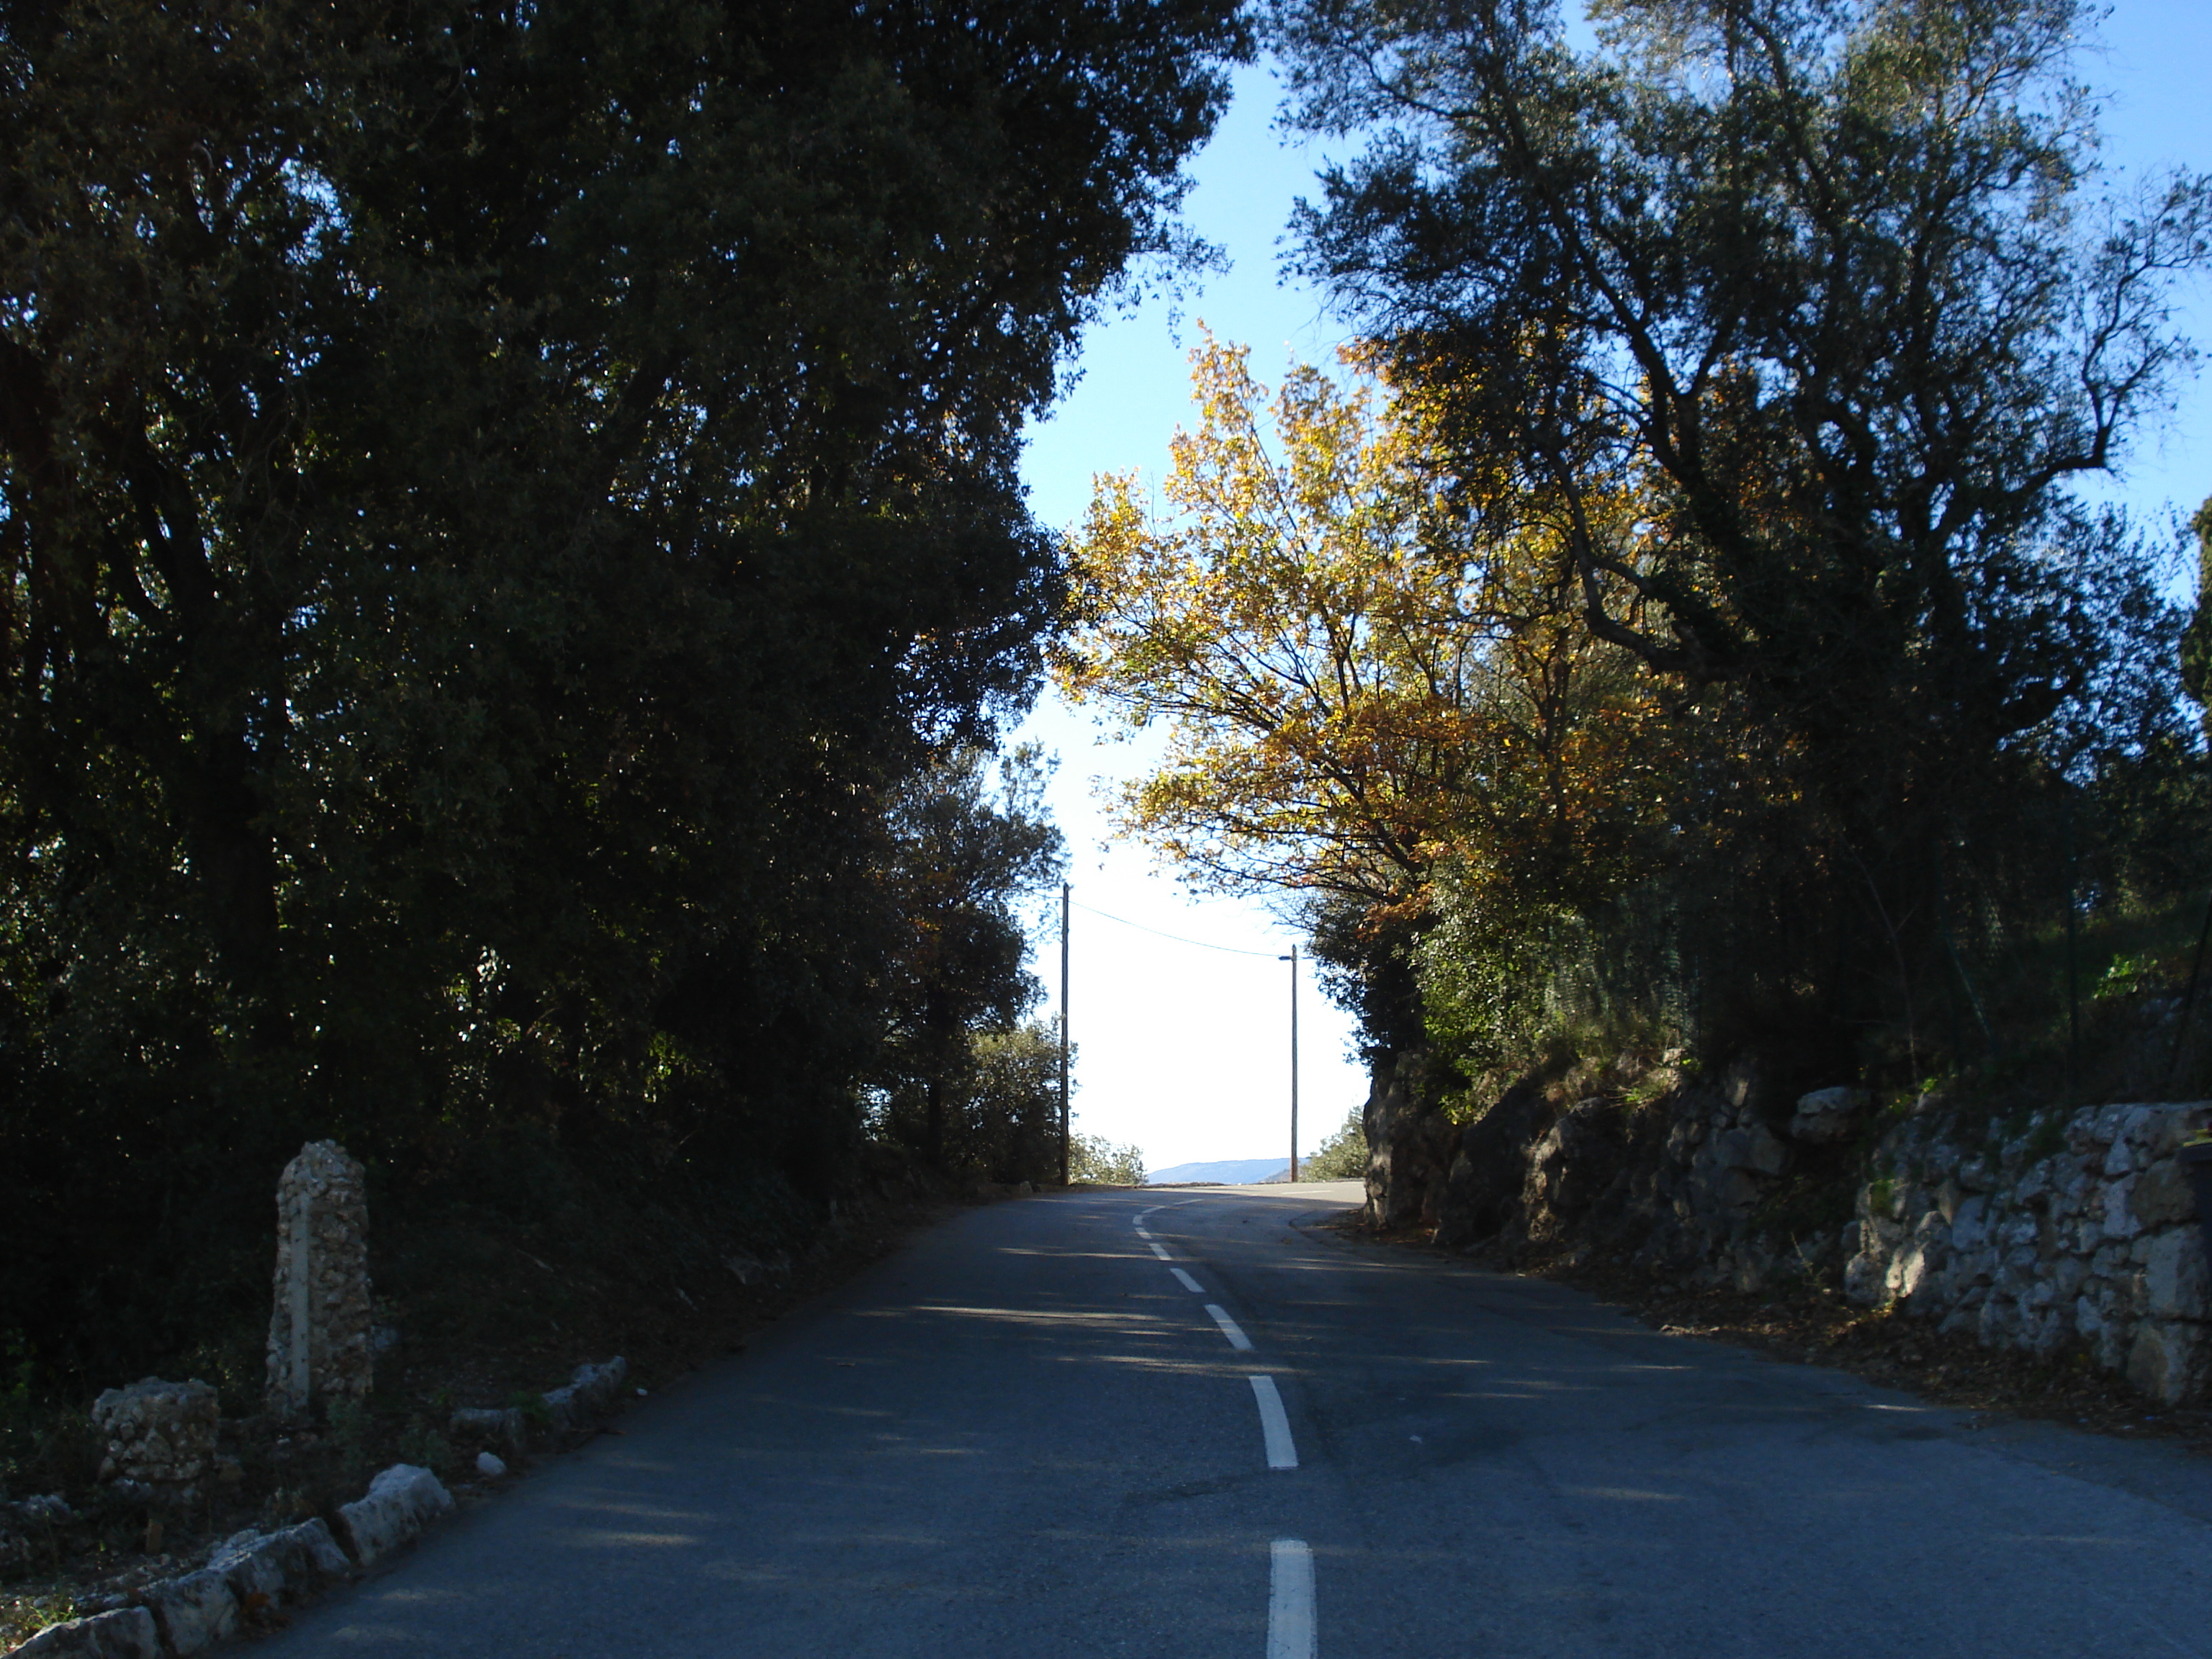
[(1291, 1600), (1144, 1232), (1188, 1283), (1282, 1452), (1236, 1339), (1158, 1251)]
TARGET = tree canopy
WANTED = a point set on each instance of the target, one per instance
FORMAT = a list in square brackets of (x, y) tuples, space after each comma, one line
[(1356, 680), (499, 506), (1821, 280), (1696, 611), (1361, 681), (966, 855), (1834, 288)]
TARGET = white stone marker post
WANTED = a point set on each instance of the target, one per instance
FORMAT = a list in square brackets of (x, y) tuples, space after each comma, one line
[(319, 1336)]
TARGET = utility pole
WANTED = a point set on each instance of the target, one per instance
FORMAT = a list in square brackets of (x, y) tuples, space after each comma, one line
[(1293, 960), (1063, 1035)]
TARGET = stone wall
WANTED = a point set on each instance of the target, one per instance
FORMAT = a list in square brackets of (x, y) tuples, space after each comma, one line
[(2066, 1229), (157, 1435)]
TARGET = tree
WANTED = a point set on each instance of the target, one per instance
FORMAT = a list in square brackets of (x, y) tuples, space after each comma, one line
[(956, 990), (1812, 269), (1356, 685), (1343, 1156), (1819, 281), (2196, 642), (495, 502), (1098, 1162)]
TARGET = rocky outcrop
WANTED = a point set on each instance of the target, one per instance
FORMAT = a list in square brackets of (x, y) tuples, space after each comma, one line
[(1486, 1185), (1410, 1144), (247, 1579), (490, 1425), (284, 1568), (1722, 1158), (2064, 1230), (592, 1392), (27, 1526), (1677, 1181), (165, 1433), (1827, 1114), (194, 1612)]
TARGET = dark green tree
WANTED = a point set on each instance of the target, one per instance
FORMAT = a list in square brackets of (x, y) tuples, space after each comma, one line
[(495, 501), (964, 855), (2197, 641), (1343, 1156), (1005, 1121), (1829, 284)]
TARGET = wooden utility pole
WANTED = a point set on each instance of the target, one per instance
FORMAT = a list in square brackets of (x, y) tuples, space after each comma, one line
[(1064, 1160), (1293, 960)]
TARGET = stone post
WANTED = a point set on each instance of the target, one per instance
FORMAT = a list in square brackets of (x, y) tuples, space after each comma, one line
[(319, 1336)]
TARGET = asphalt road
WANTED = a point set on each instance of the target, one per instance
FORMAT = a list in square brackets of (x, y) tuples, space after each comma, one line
[(1026, 1434)]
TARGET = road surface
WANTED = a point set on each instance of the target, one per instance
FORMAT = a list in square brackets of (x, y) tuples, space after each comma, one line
[(1176, 1425)]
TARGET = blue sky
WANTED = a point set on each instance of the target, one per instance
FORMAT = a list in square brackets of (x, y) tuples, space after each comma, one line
[(1184, 1050)]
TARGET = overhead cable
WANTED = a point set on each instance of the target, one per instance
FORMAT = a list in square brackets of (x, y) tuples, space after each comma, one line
[(1227, 950)]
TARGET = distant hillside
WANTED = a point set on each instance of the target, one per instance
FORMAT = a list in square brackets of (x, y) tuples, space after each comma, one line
[(1229, 1171)]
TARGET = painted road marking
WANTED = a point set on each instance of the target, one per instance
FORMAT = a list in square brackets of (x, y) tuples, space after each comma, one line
[(1158, 1251), (1144, 1232), (1188, 1283), (1290, 1600), (1237, 1338), (1282, 1454)]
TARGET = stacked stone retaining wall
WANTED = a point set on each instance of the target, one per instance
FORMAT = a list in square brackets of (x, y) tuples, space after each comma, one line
[(2066, 1231)]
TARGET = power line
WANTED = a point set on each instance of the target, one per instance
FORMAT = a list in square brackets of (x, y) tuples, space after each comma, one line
[(1227, 950)]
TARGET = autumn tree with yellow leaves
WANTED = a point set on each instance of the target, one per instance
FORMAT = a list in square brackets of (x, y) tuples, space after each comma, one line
[(1357, 690)]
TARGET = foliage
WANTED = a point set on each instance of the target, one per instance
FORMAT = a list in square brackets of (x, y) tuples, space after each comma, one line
[(962, 858), (499, 506), (1684, 623), (997, 1107), (2196, 641), (1099, 1161), (1812, 273), (1350, 689), (1343, 1156), (1815, 286), (1010, 1116), (1354, 689), (2125, 975)]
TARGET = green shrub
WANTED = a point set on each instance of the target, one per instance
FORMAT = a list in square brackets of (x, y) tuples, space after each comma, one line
[(1100, 1162), (1343, 1156)]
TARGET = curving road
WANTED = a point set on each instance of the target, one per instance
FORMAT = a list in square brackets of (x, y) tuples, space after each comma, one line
[(1188, 1423)]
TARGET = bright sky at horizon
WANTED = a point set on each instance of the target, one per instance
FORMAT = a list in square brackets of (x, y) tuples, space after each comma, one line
[(1183, 1050)]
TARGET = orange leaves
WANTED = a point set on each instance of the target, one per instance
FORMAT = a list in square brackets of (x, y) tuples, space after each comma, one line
[(1353, 686)]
